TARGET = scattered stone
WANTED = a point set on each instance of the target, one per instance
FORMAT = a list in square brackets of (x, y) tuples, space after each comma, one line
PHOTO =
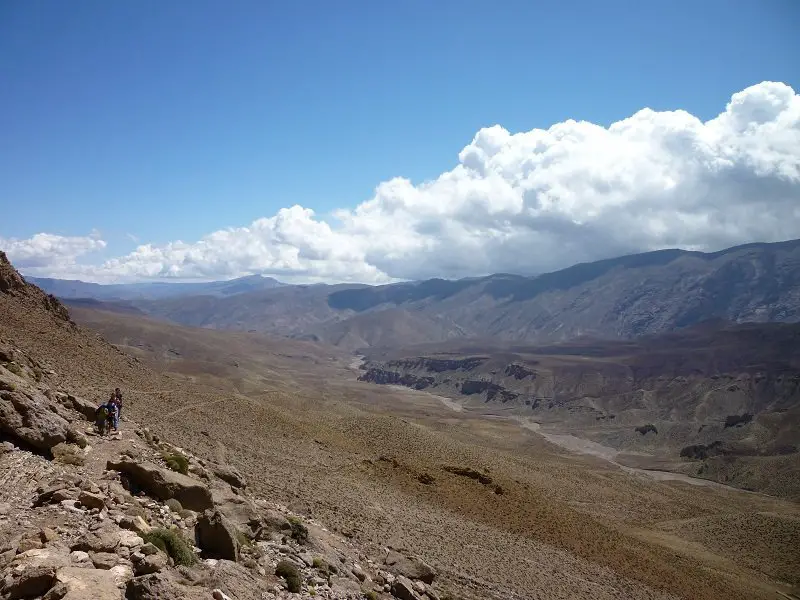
[(47, 535), (220, 595)]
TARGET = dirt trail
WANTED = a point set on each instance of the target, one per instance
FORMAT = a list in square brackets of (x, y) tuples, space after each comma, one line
[(449, 403)]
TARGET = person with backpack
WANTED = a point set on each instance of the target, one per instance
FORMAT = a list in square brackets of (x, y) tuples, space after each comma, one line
[(118, 401), (104, 416)]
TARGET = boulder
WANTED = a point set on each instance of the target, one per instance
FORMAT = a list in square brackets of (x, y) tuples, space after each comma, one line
[(403, 588), (90, 500), (411, 567), (102, 540), (88, 584), (137, 524), (165, 484), (104, 560), (147, 564), (216, 536), (229, 475), (29, 419), (28, 583), (122, 575), (161, 586)]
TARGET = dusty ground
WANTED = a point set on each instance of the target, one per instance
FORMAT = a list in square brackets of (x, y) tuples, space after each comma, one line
[(351, 455)]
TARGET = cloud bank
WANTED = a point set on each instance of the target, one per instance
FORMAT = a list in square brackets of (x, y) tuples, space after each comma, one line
[(527, 202)]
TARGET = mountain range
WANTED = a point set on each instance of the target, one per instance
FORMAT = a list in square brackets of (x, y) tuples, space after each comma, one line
[(73, 288), (618, 298)]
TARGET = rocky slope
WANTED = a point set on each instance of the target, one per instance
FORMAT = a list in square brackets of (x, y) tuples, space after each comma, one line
[(127, 515), (617, 298), (717, 401)]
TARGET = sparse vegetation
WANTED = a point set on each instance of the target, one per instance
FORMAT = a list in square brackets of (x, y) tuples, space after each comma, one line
[(176, 461), (299, 531), (174, 505), (243, 540), (290, 573), (645, 429), (319, 563), (370, 595), (68, 454), (15, 369), (172, 543)]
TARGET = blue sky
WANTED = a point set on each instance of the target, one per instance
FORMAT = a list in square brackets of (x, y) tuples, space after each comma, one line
[(170, 120)]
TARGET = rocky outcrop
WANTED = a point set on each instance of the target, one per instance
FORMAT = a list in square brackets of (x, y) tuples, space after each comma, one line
[(217, 536), (30, 418), (388, 377), (229, 475), (164, 484), (409, 566)]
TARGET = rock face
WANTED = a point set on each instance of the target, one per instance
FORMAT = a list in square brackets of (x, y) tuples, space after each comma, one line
[(217, 536), (30, 419), (411, 567), (165, 484)]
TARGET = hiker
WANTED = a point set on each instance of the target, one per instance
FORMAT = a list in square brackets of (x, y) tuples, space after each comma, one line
[(118, 396), (104, 416), (114, 407)]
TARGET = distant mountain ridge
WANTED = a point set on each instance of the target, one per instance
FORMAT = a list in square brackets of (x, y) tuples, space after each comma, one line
[(622, 297), (73, 288)]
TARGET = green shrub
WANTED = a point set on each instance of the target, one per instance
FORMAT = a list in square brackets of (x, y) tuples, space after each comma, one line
[(299, 531), (15, 369), (243, 539), (319, 563), (172, 543), (68, 454), (177, 462), (644, 429), (174, 505), (290, 573), (371, 595)]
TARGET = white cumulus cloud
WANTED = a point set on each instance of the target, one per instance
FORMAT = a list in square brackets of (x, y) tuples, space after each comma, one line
[(50, 253), (524, 202)]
